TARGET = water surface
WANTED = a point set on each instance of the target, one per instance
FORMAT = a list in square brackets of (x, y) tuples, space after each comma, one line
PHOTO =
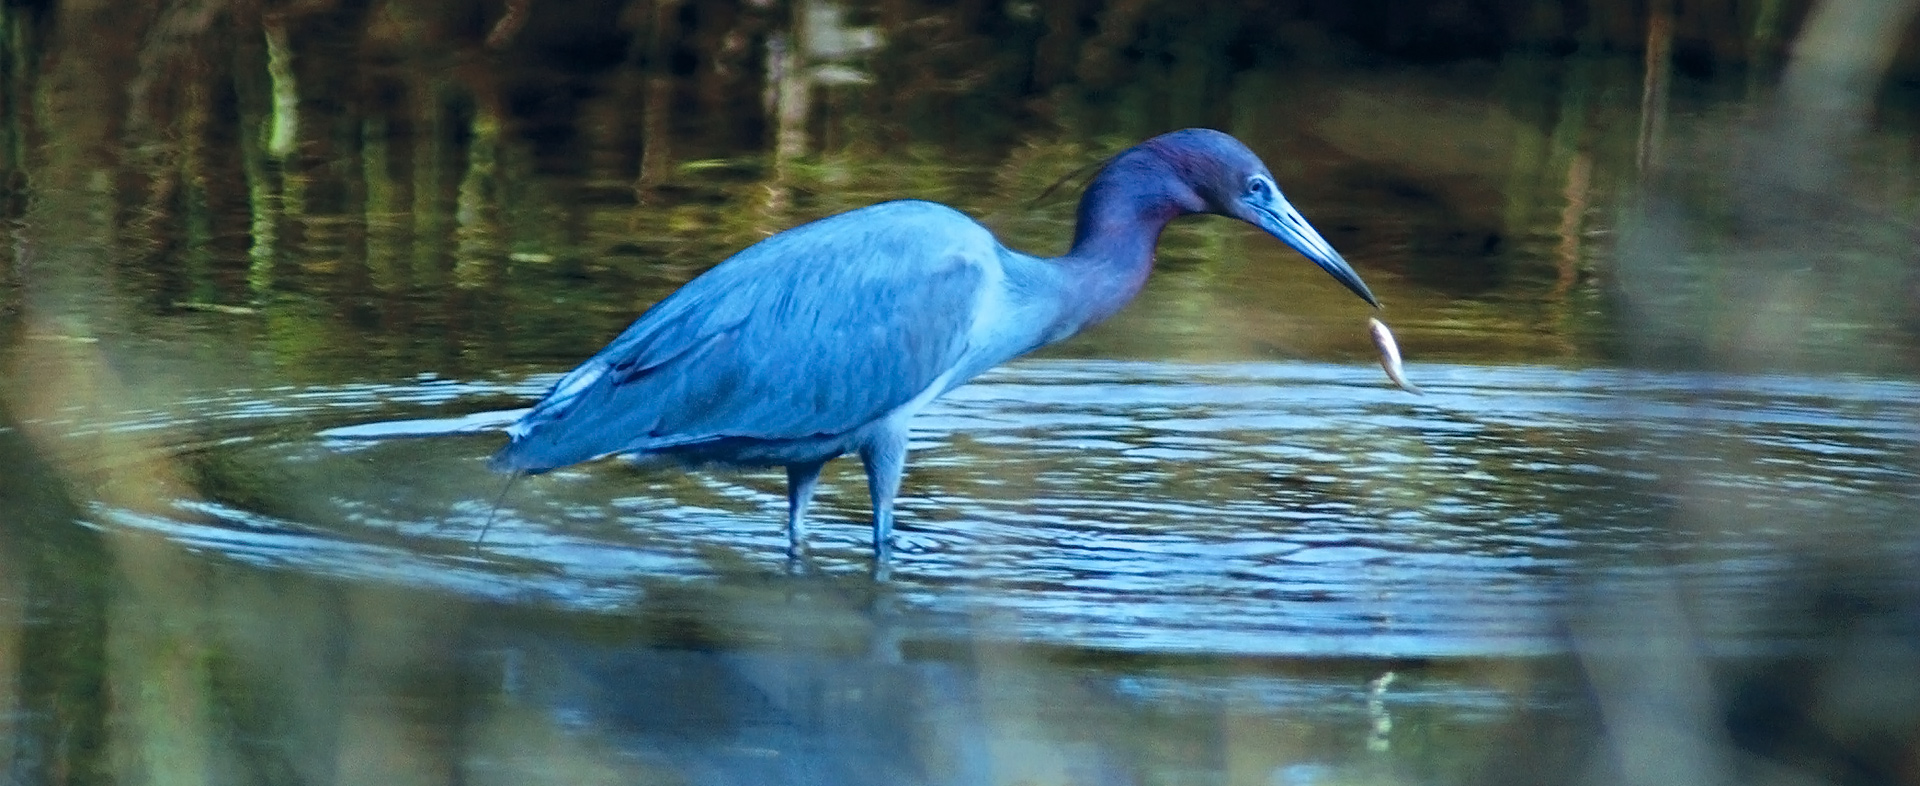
[(268, 281), (1251, 509)]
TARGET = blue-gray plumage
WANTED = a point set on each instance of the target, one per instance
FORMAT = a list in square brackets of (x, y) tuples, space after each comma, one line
[(827, 338)]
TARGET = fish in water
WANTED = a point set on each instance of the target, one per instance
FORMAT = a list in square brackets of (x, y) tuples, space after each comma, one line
[(1389, 354)]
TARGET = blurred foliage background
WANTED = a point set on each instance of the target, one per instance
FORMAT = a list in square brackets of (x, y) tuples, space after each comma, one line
[(208, 195)]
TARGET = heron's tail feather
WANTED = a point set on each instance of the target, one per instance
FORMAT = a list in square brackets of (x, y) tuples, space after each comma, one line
[(506, 460), (523, 456)]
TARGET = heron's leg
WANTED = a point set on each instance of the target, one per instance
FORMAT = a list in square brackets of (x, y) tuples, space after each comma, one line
[(801, 480), (886, 458)]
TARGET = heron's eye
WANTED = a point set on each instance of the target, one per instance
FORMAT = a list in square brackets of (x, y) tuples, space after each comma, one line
[(1259, 188)]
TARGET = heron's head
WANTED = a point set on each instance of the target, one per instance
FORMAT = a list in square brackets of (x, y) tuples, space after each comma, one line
[(1228, 179)]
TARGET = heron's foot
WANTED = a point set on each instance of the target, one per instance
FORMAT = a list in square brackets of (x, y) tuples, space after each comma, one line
[(910, 543), (883, 550), (799, 559)]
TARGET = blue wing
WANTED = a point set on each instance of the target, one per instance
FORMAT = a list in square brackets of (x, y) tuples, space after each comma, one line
[(813, 332)]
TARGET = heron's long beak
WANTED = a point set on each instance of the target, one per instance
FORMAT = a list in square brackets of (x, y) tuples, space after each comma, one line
[(1282, 221)]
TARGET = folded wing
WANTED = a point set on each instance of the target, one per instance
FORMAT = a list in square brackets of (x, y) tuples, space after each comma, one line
[(813, 332)]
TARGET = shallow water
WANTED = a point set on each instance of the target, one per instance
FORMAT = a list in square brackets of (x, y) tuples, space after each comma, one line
[(1299, 510), (248, 386), (1112, 570)]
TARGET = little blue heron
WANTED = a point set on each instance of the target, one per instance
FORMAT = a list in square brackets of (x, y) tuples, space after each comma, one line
[(827, 338)]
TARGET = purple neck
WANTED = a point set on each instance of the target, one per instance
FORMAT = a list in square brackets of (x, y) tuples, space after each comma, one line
[(1121, 216)]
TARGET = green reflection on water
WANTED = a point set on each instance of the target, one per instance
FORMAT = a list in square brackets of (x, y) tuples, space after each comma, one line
[(502, 210), (368, 193)]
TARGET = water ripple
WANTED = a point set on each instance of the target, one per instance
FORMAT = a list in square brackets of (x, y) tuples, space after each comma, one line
[(1243, 508)]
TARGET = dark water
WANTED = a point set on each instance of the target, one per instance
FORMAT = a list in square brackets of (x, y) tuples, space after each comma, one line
[(1112, 568), (1661, 479), (1302, 510)]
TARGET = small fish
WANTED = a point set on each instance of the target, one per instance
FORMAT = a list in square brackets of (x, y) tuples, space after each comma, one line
[(1389, 355)]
